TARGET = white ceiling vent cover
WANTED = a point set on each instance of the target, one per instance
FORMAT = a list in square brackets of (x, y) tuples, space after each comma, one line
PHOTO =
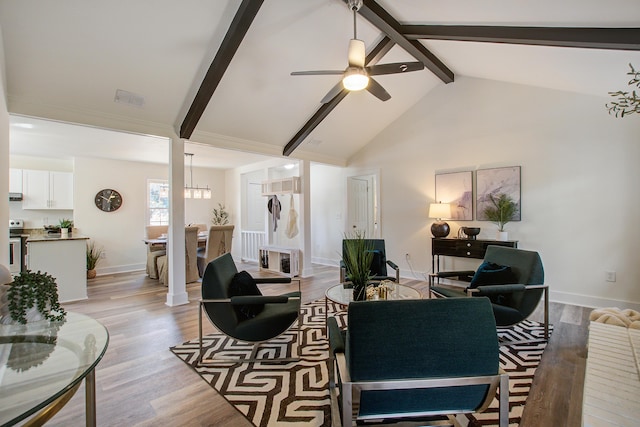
[(130, 98)]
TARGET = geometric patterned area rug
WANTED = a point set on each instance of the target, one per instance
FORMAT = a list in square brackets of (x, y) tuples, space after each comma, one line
[(296, 393)]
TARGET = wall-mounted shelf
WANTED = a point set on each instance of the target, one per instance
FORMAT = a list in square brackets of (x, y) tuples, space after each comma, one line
[(279, 259), (289, 185)]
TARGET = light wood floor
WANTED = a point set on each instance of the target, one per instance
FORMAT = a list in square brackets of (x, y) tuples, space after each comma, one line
[(140, 382)]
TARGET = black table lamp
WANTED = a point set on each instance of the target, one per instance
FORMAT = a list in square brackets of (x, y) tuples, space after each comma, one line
[(438, 211)]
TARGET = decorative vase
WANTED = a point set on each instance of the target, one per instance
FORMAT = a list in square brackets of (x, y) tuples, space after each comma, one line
[(502, 236), (64, 232), (91, 273), (359, 292)]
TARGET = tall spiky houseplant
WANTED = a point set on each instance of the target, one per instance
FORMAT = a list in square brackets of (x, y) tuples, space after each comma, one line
[(357, 257)]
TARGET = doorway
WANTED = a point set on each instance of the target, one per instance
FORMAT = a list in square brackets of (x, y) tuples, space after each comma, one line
[(363, 196)]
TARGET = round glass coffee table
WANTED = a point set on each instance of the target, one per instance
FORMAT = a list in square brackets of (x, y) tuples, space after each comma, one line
[(343, 296), (43, 363)]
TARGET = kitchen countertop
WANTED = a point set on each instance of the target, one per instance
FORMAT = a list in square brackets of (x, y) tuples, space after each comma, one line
[(55, 237)]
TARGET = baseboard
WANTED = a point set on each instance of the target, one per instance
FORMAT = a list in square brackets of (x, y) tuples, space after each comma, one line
[(325, 261), (120, 269), (590, 301)]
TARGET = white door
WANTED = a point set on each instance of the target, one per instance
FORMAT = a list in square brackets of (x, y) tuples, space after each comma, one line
[(361, 205)]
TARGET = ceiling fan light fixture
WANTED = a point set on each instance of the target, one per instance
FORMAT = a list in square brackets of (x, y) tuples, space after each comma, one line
[(355, 79)]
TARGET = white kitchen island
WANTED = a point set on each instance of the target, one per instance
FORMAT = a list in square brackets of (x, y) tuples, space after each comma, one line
[(64, 258)]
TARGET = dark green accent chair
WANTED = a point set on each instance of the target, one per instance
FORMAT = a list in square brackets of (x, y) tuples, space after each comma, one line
[(278, 315), (512, 302), (412, 360), (379, 263)]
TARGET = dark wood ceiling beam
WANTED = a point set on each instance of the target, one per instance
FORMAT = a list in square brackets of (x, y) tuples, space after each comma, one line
[(235, 34), (376, 54), (379, 17), (580, 37)]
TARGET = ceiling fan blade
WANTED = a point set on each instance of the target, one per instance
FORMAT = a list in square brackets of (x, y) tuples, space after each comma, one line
[(356, 53), (395, 68), (378, 91), (332, 93), (318, 73)]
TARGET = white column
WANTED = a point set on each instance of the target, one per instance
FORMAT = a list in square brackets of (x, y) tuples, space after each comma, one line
[(177, 294), (305, 217)]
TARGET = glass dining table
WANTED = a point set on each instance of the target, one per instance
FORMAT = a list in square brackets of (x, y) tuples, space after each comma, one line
[(42, 364)]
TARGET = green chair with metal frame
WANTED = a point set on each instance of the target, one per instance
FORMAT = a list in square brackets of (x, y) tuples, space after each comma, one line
[(235, 306), (415, 361), (379, 262), (513, 279)]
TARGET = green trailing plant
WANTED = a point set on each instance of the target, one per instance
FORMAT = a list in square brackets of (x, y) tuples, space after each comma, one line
[(37, 290), (502, 210), (357, 258), (94, 254), (66, 223), (626, 103), (220, 215)]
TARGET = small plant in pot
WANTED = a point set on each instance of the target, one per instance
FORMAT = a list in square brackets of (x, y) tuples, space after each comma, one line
[(94, 254), (66, 225), (32, 297), (357, 258), (501, 211)]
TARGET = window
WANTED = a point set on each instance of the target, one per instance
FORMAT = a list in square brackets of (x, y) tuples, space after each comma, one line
[(157, 202)]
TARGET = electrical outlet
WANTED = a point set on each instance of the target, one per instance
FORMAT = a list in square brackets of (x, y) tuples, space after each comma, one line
[(610, 276), (103, 254)]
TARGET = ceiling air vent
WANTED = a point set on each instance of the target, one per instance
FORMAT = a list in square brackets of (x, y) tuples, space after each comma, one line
[(130, 98)]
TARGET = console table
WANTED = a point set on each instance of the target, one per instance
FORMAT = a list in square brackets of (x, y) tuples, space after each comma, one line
[(462, 248)]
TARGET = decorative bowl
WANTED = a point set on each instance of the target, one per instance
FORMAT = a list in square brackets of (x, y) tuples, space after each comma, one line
[(471, 232)]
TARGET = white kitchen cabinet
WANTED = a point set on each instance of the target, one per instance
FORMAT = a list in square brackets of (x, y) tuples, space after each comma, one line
[(15, 180), (47, 189)]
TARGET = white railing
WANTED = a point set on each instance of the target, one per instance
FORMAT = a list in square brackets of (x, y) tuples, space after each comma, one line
[(251, 242)]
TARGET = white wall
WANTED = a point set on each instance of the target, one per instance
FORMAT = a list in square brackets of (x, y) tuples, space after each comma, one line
[(579, 180), (121, 232), (4, 160)]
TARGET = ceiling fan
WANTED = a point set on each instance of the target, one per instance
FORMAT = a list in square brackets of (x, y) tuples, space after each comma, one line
[(356, 76)]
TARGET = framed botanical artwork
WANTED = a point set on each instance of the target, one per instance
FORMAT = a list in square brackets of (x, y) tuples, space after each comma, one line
[(492, 182), (456, 188)]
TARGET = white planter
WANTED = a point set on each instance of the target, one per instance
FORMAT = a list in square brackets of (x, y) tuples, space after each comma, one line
[(502, 236), (64, 232)]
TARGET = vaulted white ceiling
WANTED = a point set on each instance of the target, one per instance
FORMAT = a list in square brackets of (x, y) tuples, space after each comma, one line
[(66, 59)]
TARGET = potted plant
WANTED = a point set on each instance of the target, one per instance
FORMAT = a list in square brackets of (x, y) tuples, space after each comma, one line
[(357, 258), (502, 210), (93, 257), (65, 226), (220, 215), (32, 297)]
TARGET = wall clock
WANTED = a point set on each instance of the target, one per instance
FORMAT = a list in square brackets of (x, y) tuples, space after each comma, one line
[(108, 200)]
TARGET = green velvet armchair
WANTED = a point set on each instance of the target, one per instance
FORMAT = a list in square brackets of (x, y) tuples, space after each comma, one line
[(513, 279), (235, 306), (412, 360)]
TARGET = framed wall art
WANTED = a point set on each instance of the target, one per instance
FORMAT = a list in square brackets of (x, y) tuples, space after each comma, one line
[(456, 188), (491, 182)]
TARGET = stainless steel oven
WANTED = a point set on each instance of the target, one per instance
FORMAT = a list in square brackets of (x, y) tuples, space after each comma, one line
[(15, 255)]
